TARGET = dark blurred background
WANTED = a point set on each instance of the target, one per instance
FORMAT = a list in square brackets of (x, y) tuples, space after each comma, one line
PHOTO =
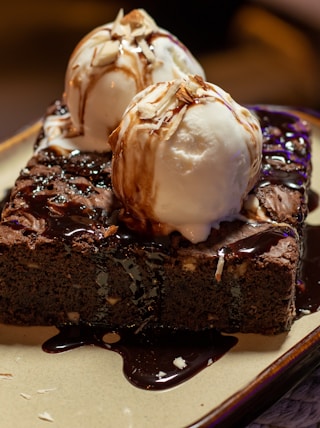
[(260, 51)]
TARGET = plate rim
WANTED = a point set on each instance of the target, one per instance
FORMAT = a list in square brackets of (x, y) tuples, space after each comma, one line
[(294, 365)]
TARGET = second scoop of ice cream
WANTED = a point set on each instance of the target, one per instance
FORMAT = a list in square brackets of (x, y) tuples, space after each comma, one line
[(114, 62), (185, 157)]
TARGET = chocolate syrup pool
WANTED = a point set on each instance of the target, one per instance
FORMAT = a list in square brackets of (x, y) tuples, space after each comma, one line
[(152, 360), (161, 359)]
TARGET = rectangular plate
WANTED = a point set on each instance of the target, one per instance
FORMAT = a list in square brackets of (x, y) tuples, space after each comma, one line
[(86, 387)]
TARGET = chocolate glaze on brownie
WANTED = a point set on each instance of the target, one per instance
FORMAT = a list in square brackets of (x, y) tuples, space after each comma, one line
[(67, 258)]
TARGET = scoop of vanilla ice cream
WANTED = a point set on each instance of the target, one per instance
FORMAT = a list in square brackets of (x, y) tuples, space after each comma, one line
[(114, 62), (185, 157)]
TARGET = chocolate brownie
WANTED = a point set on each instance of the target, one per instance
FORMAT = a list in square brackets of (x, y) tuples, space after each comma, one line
[(66, 256)]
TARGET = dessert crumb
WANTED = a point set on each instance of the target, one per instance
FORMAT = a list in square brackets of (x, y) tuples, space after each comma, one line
[(305, 311), (6, 376), (45, 416), (45, 390), (25, 396)]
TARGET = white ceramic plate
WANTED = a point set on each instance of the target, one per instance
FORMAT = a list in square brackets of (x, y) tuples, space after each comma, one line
[(85, 387)]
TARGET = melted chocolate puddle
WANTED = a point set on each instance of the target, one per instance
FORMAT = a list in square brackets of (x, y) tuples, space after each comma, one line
[(151, 360), (157, 360)]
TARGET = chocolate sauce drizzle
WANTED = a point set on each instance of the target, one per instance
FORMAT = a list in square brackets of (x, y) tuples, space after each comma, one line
[(287, 152), (151, 358), (308, 289)]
